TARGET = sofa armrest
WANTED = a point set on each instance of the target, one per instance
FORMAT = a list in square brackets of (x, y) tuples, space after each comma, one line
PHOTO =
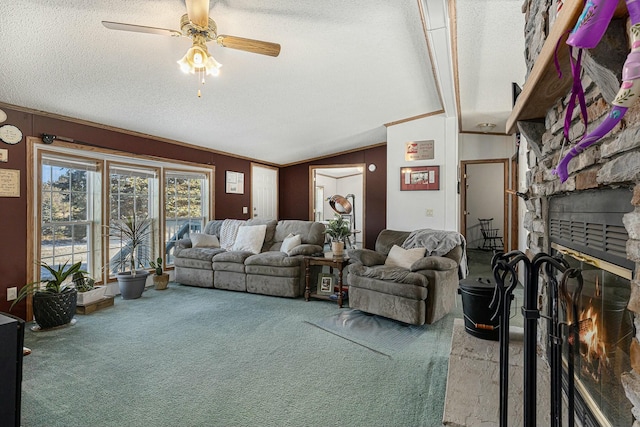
[(366, 257), (306, 249), (183, 243), (434, 263)]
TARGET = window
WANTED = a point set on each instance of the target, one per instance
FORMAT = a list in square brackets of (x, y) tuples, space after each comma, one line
[(69, 220), (132, 193), (79, 192), (185, 209)]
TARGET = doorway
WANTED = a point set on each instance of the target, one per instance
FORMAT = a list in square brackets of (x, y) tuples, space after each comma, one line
[(264, 192), (483, 186), (347, 181)]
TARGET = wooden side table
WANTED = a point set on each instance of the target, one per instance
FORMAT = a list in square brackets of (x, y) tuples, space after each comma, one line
[(339, 263)]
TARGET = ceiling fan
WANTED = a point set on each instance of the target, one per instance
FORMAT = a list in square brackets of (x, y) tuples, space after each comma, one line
[(197, 26)]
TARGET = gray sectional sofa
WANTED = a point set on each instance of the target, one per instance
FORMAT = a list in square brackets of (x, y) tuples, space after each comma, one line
[(269, 271)]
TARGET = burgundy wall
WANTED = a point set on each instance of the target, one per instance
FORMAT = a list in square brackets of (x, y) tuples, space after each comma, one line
[(13, 211), (294, 189)]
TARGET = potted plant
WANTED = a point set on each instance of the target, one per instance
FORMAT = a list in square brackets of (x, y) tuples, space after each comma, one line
[(134, 231), (54, 299), (88, 293), (160, 279), (338, 229)]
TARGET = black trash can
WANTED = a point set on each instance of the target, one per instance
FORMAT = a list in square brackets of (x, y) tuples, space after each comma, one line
[(476, 297)]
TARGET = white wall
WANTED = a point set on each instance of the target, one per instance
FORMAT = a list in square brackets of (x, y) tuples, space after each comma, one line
[(406, 210), (476, 147)]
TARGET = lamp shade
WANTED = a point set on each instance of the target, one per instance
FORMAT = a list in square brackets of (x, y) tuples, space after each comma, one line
[(340, 204), (198, 59)]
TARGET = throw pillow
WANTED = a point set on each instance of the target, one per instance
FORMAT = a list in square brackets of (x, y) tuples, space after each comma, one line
[(202, 240), (399, 257), (228, 232), (250, 238), (290, 242)]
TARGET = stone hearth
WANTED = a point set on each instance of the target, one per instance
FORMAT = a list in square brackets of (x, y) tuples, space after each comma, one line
[(612, 163)]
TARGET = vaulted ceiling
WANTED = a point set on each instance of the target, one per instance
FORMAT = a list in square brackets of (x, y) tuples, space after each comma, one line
[(346, 69)]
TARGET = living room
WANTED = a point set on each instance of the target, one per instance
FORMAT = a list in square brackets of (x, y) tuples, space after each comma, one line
[(53, 129)]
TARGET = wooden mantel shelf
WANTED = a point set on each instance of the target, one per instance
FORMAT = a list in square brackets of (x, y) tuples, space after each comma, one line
[(544, 86)]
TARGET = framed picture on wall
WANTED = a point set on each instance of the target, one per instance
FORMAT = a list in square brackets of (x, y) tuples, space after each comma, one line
[(420, 178), (234, 182)]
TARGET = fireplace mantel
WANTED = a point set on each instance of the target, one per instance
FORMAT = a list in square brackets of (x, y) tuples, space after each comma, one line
[(543, 86)]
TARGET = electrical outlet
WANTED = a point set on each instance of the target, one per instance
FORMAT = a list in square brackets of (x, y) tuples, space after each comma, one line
[(245, 210), (429, 212), (12, 293)]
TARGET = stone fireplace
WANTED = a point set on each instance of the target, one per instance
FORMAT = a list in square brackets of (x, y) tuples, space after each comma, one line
[(587, 227), (606, 171)]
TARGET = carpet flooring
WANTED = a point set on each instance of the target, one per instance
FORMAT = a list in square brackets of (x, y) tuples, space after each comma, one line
[(201, 357)]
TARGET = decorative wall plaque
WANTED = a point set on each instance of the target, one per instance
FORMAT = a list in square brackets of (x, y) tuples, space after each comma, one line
[(418, 150), (9, 183)]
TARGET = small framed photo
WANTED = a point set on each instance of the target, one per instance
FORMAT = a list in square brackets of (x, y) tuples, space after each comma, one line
[(234, 182), (420, 178), (325, 284)]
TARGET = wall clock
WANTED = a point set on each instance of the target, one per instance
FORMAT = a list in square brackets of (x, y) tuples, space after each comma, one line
[(3, 116), (10, 134)]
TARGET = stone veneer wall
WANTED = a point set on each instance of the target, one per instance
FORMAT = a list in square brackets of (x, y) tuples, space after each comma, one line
[(614, 161)]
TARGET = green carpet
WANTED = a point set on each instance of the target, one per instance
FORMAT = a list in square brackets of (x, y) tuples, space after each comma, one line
[(202, 357)]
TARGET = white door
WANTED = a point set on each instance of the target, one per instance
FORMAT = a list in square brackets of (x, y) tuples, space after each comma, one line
[(264, 192), (485, 199)]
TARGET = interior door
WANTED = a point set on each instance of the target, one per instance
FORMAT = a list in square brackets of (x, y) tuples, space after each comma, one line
[(264, 192), (484, 196)]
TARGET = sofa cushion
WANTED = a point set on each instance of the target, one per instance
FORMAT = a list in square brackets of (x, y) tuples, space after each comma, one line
[(196, 257), (404, 258), (310, 232), (250, 238), (434, 263), (274, 259), (201, 240), (390, 274), (366, 257), (414, 291), (237, 257), (290, 242)]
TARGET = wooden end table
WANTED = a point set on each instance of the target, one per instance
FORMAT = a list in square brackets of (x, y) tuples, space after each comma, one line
[(339, 263)]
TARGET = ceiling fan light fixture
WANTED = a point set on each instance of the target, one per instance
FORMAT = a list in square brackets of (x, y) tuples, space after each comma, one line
[(198, 59)]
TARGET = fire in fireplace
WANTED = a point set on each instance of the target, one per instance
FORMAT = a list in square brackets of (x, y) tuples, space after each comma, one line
[(588, 228), (605, 330)]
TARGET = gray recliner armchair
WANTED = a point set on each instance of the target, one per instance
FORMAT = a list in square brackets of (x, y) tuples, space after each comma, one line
[(423, 292)]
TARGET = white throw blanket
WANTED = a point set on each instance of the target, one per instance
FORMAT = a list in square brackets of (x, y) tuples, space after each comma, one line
[(228, 232), (439, 243)]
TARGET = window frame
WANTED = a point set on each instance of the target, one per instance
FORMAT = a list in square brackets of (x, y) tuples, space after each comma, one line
[(103, 157)]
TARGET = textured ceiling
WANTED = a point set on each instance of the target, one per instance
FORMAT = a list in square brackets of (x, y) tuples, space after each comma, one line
[(345, 69)]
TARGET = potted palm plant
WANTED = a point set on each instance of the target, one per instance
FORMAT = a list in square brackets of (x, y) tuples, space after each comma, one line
[(338, 229), (54, 297), (134, 231), (160, 279)]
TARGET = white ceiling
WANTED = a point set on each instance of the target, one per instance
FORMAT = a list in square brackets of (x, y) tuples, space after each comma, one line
[(346, 69)]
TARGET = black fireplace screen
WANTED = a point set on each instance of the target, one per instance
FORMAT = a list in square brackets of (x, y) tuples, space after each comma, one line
[(606, 330)]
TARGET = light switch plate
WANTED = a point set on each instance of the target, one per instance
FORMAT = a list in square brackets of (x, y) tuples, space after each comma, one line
[(4, 155), (245, 210)]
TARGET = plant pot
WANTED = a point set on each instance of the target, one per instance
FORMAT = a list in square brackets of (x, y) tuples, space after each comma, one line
[(131, 287), (54, 309), (89, 297), (338, 249), (161, 281)]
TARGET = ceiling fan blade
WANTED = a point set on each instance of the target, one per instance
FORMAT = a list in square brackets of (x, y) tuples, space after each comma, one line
[(141, 29), (249, 45), (198, 11)]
